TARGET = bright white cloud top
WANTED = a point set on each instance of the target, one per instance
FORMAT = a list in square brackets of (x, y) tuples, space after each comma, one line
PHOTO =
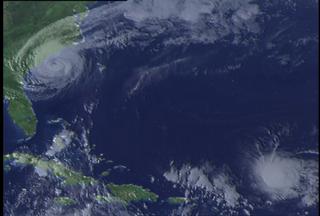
[(282, 175)]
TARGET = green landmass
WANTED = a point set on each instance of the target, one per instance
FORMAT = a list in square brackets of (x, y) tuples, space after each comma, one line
[(32, 31), (65, 201), (69, 176), (176, 200), (132, 193), (103, 199), (126, 193), (21, 21), (105, 173)]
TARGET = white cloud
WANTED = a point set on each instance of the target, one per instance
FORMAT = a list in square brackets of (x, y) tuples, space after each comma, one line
[(208, 178), (283, 176)]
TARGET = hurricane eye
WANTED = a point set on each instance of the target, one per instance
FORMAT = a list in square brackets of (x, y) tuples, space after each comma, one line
[(56, 73)]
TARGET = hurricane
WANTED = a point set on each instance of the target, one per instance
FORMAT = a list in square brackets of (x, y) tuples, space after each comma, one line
[(208, 104), (59, 72), (53, 69), (282, 176)]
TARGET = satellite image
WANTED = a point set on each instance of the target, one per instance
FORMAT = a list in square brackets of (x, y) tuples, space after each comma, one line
[(161, 108)]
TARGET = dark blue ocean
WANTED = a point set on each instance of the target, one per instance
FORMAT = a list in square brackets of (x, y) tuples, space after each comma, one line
[(183, 117)]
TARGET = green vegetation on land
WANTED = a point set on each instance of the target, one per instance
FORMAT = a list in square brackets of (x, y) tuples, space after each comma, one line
[(32, 31), (131, 193), (126, 193), (105, 173), (65, 201), (22, 20), (176, 200), (69, 176), (104, 199)]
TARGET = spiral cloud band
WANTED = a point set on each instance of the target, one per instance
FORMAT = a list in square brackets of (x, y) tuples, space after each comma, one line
[(55, 74)]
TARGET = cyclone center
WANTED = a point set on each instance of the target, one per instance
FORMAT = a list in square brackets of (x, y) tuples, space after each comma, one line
[(279, 173), (274, 175)]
